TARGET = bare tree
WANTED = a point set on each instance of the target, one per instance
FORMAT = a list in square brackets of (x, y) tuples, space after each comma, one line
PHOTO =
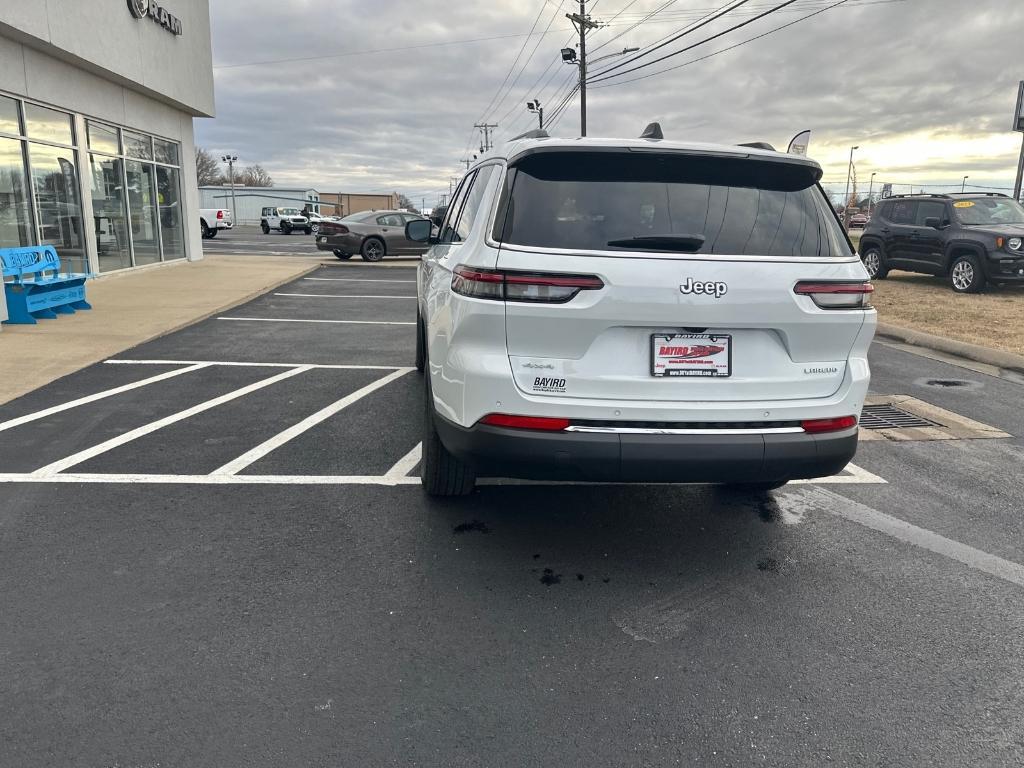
[(255, 176), (405, 203), (208, 171)]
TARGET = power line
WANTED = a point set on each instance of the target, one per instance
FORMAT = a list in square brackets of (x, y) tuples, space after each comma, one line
[(487, 109), (723, 50), (722, 11), (633, 26)]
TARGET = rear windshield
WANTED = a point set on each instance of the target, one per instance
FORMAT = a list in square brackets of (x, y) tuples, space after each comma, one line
[(602, 201)]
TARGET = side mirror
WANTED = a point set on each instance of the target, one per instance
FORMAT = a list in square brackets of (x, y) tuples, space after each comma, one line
[(934, 222), (418, 231)]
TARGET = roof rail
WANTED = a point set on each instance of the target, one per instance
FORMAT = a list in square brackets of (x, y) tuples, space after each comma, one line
[(758, 145), (652, 131), (536, 133), (949, 195)]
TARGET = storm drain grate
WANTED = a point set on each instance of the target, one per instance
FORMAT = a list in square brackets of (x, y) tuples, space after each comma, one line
[(891, 417)]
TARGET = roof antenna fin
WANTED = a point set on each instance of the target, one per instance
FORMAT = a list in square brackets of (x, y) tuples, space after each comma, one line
[(652, 131)]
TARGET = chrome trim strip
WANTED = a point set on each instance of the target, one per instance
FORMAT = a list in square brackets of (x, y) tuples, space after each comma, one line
[(657, 431)]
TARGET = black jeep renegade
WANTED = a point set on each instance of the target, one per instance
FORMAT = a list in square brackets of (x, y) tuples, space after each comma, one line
[(972, 239)]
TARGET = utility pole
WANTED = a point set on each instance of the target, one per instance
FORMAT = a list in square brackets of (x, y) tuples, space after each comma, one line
[(846, 196), (466, 161), (486, 128), (583, 24), (231, 160), (871, 189)]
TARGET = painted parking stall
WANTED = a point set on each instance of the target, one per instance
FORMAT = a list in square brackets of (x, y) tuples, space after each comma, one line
[(235, 508)]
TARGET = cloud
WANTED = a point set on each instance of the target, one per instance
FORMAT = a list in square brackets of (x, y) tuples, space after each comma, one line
[(919, 85)]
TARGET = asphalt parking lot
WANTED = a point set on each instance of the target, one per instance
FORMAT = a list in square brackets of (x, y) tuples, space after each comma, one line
[(249, 240), (216, 553)]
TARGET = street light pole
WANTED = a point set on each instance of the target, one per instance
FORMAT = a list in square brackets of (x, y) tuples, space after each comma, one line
[(963, 186), (231, 160), (846, 197), (535, 106), (871, 187)]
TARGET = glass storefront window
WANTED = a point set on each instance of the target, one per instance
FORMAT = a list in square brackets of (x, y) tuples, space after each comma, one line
[(165, 151), (55, 184), (9, 122), (110, 222), (142, 212), (15, 216), (48, 124), (137, 145), (168, 196), (103, 138)]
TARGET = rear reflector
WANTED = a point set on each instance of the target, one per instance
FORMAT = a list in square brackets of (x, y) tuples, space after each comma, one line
[(837, 295), (818, 426), (525, 422), (521, 286)]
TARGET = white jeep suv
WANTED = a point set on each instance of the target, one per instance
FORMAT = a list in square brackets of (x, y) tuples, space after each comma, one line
[(640, 311)]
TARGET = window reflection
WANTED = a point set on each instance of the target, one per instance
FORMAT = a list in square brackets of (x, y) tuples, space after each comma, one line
[(55, 184), (15, 219), (142, 210), (137, 145), (110, 222), (47, 124), (103, 138), (169, 201), (9, 116)]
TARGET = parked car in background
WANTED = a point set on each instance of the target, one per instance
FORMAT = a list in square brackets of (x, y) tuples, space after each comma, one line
[(857, 221), (286, 220), (213, 220), (371, 234), (971, 239)]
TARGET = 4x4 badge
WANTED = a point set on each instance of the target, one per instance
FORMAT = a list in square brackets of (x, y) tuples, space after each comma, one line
[(718, 289)]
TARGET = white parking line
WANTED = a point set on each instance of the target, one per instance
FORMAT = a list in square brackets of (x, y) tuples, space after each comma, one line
[(249, 457), (341, 322), (391, 478), (405, 464), (339, 296), (235, 363), (127, 437), (355, 280), (192, 366)]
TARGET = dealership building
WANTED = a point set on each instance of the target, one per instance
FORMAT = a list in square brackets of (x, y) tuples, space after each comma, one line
[(97, 156)]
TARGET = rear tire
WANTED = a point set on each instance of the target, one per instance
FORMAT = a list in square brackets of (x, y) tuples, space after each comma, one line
[(874, 263), (441, 473), (213, 233), (343, 256), (265, 227), (965, 275), (204, 230), (308, 231), (373, 249)]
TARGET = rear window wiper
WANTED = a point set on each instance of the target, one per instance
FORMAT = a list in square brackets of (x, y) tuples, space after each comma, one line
[(681, 243)]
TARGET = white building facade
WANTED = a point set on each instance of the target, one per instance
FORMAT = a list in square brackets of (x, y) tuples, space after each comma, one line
[(97, 155), (247, 203)]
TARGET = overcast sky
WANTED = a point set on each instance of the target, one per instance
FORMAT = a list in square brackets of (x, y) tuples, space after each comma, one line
[(926, 88)]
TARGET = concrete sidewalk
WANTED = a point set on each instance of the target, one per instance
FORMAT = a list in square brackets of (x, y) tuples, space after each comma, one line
[(132, 308)]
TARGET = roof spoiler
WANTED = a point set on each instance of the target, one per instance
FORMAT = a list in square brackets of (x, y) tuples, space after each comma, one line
[(536, 133), (758, 145), (652, 131)]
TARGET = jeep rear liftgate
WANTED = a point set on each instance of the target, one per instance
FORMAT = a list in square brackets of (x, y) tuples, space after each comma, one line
[(694, 280)]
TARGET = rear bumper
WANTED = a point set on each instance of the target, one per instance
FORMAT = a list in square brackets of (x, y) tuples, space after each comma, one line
[(610, 457), (342, 243), (224, 225)]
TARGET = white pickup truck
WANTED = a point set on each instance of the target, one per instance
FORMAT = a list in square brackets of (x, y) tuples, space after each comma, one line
[(212, 220)]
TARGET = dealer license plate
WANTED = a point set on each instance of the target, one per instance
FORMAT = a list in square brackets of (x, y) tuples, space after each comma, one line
[(691, 354)]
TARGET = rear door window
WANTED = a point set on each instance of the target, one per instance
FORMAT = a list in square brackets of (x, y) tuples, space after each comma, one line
[(903, 212), (702, 204)]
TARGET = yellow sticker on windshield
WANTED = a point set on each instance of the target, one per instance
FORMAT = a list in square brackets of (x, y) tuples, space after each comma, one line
[(963, 204)]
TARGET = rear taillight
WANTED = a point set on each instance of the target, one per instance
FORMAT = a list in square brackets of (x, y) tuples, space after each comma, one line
[(848, 295), (521, 286), (220, 214), (818, 426), (525, 422)]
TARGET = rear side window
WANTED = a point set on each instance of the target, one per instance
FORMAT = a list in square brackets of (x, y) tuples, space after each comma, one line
[(902, 211), (737, 206), (448, 231)]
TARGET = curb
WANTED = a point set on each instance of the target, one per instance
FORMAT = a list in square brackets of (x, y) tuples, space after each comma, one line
[(1005, 360)]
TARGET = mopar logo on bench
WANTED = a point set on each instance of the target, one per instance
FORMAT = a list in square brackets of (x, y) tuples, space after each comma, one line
[(691, 286)]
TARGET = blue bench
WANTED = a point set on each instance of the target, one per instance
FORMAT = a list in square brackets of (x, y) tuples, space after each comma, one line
[(39, 290)]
